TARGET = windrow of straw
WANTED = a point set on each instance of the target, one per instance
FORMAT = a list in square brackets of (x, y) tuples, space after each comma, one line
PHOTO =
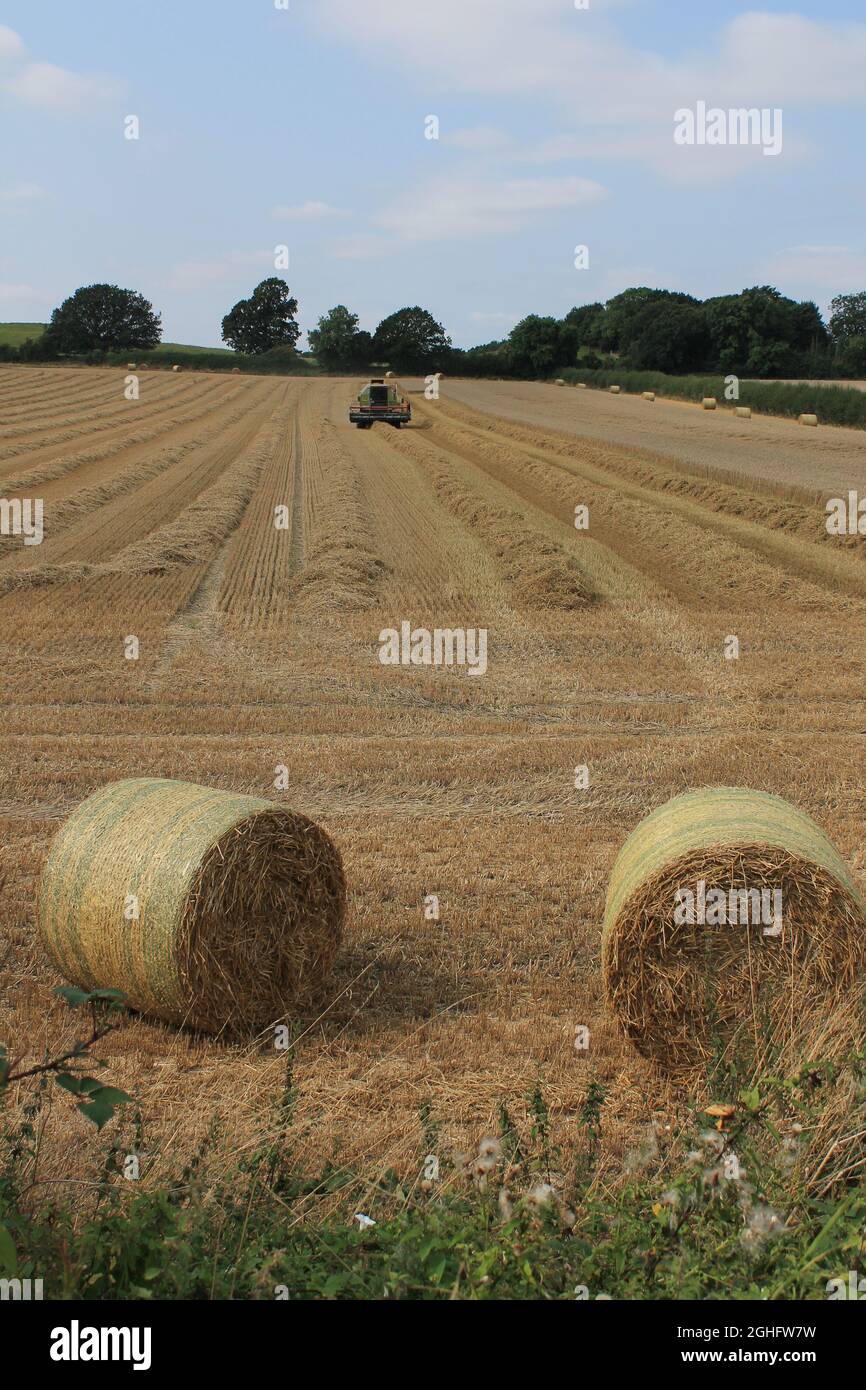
[(684, 991), (218, 911)]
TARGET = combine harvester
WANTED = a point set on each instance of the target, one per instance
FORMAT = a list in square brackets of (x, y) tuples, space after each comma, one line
[(379, 400)]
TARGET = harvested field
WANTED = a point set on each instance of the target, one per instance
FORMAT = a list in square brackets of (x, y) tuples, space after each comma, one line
[(258, 672), (764, 448)]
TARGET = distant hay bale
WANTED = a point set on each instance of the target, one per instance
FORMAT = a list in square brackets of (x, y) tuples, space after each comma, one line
[(615, 390), (676, 985), (176, 368), (709, 402), (808, 420), (581, 386), (239, 903), (648, 395), (130, 366), (559, 381), (389, 374), (744, 412), (236, 371)]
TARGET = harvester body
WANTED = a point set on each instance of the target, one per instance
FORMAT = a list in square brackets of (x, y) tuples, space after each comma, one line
[(380, 400)]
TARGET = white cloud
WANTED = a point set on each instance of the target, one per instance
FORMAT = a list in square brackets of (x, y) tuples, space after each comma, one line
[(45, 86), (310, 211), (11, 45), (364, 246), (49, 88), (623, 96), (21, 193), (482, 316), (15, 294), (482, 139), (818, 272), (192, 275), (461, 205)]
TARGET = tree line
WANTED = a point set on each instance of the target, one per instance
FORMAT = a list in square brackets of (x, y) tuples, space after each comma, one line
[(758, 333)]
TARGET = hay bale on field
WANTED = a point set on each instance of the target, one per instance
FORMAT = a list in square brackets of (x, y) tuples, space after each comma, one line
[(709, 402), (175, 368), (615, 390), (236, 371), (744, 412), (648, 395), (808, 420), (678, 978), (581, 386), (219, 911), (559, 381)]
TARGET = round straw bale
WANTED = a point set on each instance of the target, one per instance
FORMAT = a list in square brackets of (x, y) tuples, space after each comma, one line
[(560, 381), (239, 903), (709, 402), (808, 420), (581, 386), (615, 390), (744, 412), (648, 395), (679, 986)]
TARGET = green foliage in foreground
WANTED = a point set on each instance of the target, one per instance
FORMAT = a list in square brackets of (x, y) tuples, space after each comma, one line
[(834, 405), (520, 1220)]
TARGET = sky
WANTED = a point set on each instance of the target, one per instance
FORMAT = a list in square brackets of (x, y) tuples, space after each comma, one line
[(304, 124)]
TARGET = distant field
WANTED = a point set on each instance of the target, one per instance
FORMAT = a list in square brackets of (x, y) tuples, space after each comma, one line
[(188, 347), (14, 334)]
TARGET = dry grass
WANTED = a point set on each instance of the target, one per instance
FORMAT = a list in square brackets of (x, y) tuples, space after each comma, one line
[(259, 649)]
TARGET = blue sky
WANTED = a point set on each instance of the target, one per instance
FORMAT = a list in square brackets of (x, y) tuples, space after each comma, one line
[(305, 126)]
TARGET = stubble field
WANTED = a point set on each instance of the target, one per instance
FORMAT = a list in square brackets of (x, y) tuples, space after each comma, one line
[(258, 649)]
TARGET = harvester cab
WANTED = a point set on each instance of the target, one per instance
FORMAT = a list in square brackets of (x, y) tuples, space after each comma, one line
[(380, 400)]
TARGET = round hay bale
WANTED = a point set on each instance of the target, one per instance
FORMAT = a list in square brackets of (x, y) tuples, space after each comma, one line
[(236, 371), (581, 386), (808, 420), (744, 412), (709, 402), (615, 390), (176, 368), (648, 395), (240, 903), (560, 381), (678, 985), (389, 374)]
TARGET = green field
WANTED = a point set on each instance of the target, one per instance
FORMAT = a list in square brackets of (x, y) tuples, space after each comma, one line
[(14, 334)]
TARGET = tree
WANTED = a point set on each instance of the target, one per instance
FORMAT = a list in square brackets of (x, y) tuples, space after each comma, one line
[(761, 332), (338, 343), (585, 323), (624, 315), (102, 317), (848, 316), (534, 345), (411, 341), (265, 320), (669, 337)]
